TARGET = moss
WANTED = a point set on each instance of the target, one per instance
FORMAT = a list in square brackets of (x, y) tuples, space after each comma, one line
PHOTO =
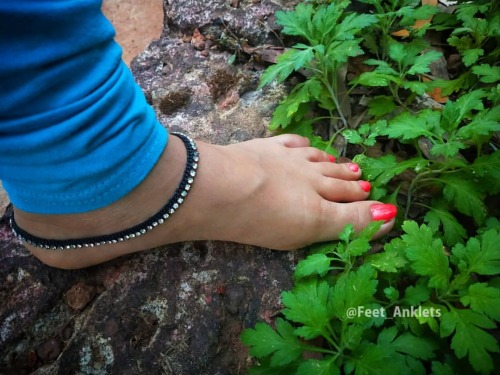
[(221, 82), (174, 100)]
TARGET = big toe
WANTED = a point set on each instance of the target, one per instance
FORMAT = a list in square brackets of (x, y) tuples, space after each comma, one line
[(359, 214)]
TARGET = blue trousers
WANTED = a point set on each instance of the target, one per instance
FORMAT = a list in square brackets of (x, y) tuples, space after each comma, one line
[(76, 133)]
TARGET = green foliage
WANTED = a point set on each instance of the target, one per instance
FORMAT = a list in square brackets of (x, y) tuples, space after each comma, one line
[(331, 37), (451, 308), (428, 300), (405, 61)]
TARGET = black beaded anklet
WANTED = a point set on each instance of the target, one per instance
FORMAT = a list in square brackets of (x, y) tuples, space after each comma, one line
[(127, 234)]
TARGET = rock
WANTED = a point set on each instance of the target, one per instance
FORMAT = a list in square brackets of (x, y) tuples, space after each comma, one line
[(248, 19), (179, 309), (79, 295)]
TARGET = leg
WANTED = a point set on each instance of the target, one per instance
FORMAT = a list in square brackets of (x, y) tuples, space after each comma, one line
[(277, 193)]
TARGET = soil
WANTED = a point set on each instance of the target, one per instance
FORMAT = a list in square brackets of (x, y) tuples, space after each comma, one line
[(137, 23)]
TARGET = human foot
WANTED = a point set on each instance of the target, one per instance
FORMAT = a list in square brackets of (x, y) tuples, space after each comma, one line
[(276, 193)]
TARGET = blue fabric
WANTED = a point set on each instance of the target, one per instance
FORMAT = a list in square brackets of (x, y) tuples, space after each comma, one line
[(76, 133)]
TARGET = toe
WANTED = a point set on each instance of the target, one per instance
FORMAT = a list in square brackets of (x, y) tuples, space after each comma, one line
[(291, 140), (315, 155), (340, 171), (337, 215), (337, 190)]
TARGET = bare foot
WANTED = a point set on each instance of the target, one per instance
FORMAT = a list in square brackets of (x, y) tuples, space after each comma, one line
[(276, 193)]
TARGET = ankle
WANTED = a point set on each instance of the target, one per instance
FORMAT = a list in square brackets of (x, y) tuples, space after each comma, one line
[(136, 207)]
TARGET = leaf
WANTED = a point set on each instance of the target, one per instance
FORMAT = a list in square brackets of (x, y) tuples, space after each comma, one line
[(407, 126), (439, 368), (368, 359), (352, 136), (370, 230), (361, 244), (465, 195), (319, 143), (491, 223), (461, 43), (286, 63), (487, 73), (483, 299), (391, 293), (470, 338), (358, 247), (398, 53), (352, 24), (397, 169), (426, 255), (422, 62), (282, 343), (318, 367), (309, 303), (298, 22), (426, 11), (415, 295), (418, 347), (439, 215), (381, 105), (340, 51), (375, 79), (419, 88), (353, 289), (291, 107), (347, 233), (488, 168), (449, 149), (382, 67), (391, 259), (448, 87), (454, 112), (484, 123), (353, 336), (470, 56), (383, 168), (325, 20), (315, 264), (480, 255)]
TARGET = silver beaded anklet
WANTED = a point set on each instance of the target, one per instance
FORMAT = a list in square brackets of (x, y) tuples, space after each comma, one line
[(158, 219)]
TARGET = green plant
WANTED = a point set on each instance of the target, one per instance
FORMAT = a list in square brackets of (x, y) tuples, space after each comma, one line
[(437, 138), (439, 163), (475, 33), (394, 15), (407, 61), (331, 35), (412, 308)]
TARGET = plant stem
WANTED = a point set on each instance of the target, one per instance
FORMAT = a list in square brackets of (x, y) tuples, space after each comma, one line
[(325, 81), (312, 348)]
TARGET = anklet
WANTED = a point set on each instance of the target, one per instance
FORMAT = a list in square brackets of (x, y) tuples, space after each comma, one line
[(158, 219)]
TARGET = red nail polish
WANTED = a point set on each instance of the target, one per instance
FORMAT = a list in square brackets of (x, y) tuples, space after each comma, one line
[(384, 212), (332, 158), (365, 185), (353, 167)]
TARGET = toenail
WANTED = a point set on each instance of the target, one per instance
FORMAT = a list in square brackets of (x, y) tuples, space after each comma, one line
[(332, 158), (365, 185), (384, 212), (353, 167)]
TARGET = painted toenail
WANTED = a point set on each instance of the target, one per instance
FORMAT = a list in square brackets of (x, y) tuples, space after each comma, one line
[(332, 158), (384, 212), (353, 167), (365, 185)]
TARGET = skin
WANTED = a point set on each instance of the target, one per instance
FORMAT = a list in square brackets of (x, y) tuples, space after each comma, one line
[(277, 193)]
